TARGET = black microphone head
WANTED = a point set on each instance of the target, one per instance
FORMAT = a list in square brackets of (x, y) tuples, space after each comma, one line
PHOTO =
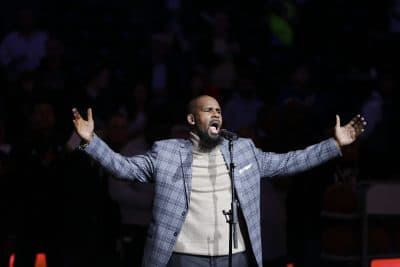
[(228, 135)]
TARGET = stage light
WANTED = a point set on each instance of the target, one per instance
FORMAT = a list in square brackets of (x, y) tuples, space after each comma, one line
[(40, 260), (385, 262)]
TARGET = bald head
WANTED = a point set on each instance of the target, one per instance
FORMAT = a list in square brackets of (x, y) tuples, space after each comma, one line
[(202, 110), (198, 101), (205, 119)]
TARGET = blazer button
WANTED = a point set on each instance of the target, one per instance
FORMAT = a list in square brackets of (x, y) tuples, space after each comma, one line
[(183, 213), (175, 234)]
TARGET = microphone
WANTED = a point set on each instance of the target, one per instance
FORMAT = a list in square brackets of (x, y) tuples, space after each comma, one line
[(228, 135)]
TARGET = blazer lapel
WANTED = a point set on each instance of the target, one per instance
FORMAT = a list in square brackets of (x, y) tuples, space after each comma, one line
[(225, 152), (227, 157), (186, 155)]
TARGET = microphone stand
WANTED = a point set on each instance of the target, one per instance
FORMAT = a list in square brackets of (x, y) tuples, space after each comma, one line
[(231, 216)]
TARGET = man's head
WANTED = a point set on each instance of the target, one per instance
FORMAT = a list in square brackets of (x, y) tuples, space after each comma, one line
[(116, 131), (43, 117), (26, 19), (205, 120)]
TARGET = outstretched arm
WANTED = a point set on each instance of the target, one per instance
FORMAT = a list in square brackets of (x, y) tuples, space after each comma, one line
[(347, 134), (139, 167), (273, 164)]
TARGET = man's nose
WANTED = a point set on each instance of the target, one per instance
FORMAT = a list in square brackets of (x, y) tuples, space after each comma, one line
[(216, 114)]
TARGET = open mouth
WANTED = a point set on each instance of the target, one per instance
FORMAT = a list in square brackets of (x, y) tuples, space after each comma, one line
[(214, 127)]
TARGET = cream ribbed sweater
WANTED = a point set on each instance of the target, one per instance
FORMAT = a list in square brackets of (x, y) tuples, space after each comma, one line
[(205, 230)]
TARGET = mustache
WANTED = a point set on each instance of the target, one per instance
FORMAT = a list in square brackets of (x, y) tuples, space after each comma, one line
[(215, 123)]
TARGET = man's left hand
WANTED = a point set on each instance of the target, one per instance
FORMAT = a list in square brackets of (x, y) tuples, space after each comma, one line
[(347, 134)]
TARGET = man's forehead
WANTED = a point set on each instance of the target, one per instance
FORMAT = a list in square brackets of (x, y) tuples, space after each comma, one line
[(207, 101)]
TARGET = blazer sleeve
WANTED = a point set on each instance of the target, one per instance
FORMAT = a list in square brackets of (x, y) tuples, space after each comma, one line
[(139, 167), (285, 164)]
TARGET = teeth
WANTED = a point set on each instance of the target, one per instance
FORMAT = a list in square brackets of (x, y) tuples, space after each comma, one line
[(213, 129)]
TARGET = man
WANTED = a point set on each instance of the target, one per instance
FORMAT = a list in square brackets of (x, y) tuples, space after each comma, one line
[(192, 185), (22, 50)]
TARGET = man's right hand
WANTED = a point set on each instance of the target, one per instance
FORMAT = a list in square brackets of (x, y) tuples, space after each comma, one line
[(84, 128)]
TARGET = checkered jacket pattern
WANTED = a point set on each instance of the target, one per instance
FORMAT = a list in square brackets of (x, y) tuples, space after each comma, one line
[(168, 166)]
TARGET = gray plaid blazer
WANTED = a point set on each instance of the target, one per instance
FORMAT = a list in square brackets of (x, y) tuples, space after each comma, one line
[(168, 165)]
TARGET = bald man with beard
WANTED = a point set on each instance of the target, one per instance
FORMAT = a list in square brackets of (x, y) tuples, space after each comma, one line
[(193, 185)]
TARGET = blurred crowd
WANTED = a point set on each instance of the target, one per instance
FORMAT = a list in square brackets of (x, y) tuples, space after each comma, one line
[(281, 70)]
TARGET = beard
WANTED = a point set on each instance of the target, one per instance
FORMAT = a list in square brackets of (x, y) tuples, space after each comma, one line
[(208, 142)]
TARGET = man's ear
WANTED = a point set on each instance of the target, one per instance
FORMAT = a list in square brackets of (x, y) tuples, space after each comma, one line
[(190, 119)]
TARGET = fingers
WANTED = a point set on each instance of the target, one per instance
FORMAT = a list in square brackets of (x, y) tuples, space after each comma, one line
[(358, 123), (355, 119), (89, 114), (75, 114), (337, 121), (359, 120)]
